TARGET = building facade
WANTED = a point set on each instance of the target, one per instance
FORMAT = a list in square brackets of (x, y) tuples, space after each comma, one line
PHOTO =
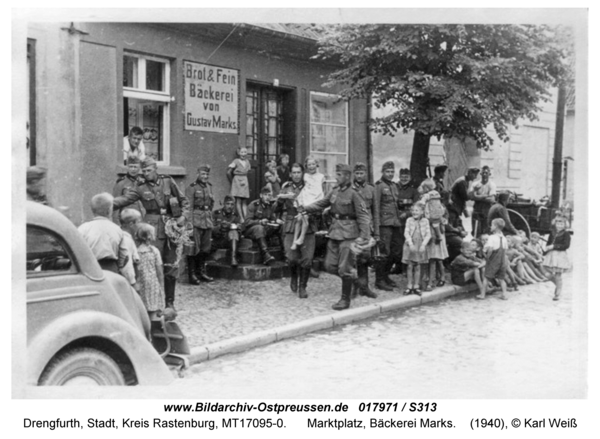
[(198, 91)]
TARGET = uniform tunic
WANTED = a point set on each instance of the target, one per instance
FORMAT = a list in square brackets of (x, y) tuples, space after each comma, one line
[(367, 191), (350, 220), (257, 211), (302, 255), (159, 197), (390, 233), (222, 233), (123, 184), (202, 202)]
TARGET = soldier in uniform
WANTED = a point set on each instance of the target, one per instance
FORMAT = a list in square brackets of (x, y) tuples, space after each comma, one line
[(162, 200), (367, 191), (350, 222), (300, 259), (408, 195), (227, 228), (125, 182), (390, 244), (256, 225), (201, 199)]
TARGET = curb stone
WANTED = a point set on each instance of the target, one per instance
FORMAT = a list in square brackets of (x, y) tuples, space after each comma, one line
[(261, 338)]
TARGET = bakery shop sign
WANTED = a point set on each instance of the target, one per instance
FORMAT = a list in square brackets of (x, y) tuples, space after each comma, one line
[(211, 98)]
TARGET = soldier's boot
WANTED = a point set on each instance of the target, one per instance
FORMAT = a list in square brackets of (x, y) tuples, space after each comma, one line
[(304, 275), (264, 248), (380, 282), (191, 266), (363, 281), (170, 283), (386, 274), (201, 258), (294, 269), (234, 261), (344, 302)]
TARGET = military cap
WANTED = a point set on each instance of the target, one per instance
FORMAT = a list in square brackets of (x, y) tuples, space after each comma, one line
[(473, 169), (228, 198), (133, 160), (148, 161), (440, 168), (404, 171), (342, 167), (35, 173), (204, 167), (265, 190), (387, 165), (360, 166)]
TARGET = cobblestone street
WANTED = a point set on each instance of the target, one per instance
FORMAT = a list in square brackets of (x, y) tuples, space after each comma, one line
[(224, 309), (525, 347)]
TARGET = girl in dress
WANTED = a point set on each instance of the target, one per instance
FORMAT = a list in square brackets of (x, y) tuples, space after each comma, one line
[(556, 259), (237, 172), (150, 275), (313, 190), (417, 235)]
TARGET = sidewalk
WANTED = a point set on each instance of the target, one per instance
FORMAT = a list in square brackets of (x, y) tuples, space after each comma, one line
[(228, 316)]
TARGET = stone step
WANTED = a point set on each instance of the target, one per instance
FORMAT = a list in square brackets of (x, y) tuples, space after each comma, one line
[(254, 272)]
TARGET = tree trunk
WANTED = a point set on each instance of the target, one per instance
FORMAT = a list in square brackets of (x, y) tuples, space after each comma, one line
[(419, 157)]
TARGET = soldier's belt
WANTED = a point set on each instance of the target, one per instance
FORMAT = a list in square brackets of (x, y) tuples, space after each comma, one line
[(203, 208), (344, 217)]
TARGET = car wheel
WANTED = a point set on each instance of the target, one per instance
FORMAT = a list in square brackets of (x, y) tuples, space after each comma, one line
[(81, 367)]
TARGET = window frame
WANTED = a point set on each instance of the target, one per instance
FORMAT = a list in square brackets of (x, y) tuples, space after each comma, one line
[(164, 97), (346, 126), (73, 268)]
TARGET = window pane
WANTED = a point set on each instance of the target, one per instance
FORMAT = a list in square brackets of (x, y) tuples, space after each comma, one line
[(325, 109), (130, 72), (327, 138), (155, 75), (45, 252), (149, 116)]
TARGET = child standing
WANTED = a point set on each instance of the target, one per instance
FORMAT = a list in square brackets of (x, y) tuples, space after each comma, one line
[(556, 259), (437, 252), (237, 172), (283, 170), (313, 190), (433, 208), (496, 260), (272, 182), (150, 270), (417, 235)]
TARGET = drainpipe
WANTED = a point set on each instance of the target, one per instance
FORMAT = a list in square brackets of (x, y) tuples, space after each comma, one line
[(558, 145)]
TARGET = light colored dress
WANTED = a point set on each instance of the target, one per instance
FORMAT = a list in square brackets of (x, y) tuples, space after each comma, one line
[(417, 232), (151, 289), (312, 190), (239, 184)]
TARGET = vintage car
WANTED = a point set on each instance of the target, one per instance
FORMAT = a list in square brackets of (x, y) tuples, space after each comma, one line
[(85, 326)]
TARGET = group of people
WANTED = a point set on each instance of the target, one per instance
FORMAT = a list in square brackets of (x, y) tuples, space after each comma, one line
[(387, 225)]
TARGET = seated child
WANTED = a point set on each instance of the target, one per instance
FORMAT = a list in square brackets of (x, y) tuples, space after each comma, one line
[(272, 183), (313, 190), (467, 267)]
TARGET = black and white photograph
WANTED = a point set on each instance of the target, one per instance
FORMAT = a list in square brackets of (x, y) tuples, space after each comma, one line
[(373, 205)]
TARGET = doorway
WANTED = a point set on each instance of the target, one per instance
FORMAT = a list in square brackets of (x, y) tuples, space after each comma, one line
[(270, 130)]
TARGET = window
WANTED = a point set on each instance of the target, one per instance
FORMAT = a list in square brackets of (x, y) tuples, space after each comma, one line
[(328, 132), (146, 98), (46, 253)]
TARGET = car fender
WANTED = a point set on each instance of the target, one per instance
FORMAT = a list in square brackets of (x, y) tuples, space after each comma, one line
[(150, 369)]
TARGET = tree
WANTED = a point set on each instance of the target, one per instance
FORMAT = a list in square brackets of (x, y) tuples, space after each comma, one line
[(446, 80)]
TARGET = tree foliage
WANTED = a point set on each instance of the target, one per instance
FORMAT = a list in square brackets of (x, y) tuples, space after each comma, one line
[(447, 80)]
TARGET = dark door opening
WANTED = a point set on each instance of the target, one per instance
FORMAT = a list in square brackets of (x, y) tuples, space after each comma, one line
[(270, 130)]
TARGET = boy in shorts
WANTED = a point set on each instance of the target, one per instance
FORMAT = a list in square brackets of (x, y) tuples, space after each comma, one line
[(466, 267), (495, 255)]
